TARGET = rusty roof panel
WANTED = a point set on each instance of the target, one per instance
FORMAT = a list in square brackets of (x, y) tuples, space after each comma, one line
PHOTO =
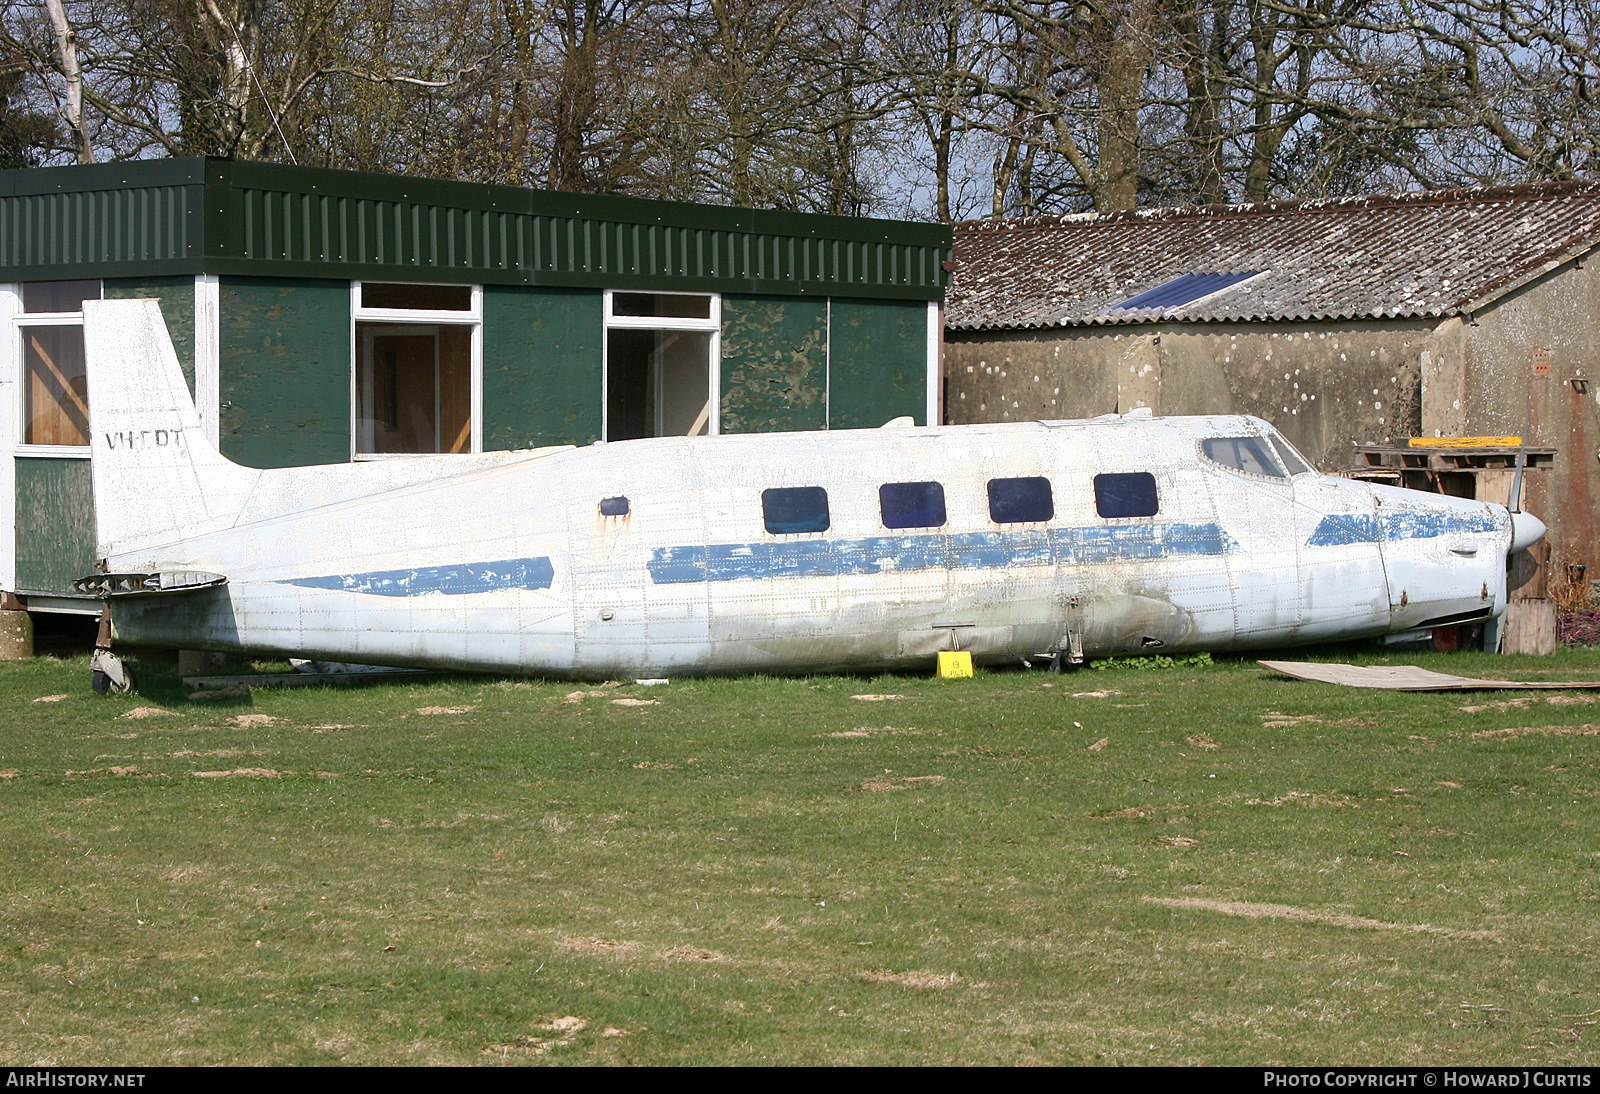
[(1375, 257)]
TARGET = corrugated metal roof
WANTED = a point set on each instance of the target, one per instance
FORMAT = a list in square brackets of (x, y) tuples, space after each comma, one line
[(1376, 257), (209, 215)]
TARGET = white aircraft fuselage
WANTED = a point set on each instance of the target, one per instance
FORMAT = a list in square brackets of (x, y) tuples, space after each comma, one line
[(781, 553)]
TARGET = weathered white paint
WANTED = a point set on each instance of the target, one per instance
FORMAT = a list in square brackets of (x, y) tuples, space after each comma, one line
[(208, 355), (513, 567), (10, 431)]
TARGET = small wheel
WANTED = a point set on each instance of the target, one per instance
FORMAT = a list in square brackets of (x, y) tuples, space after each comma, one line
[(103, 684)]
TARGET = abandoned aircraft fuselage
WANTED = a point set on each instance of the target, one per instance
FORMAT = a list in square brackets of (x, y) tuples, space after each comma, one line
[(767, 553)]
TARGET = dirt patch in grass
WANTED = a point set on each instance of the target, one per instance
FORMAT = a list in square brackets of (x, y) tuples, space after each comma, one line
[(251, 721), (447, 710), (626, 701), (1273, 720), (1201, 741), (1586, 730), (877, 731), (50, 698), (596, 945), (242, 773), (880, 786), (876, 698), (923, 981), (692, 953), (142, 712), (1308, 799), (569, 1023), (1251, 910), (1519, 703)]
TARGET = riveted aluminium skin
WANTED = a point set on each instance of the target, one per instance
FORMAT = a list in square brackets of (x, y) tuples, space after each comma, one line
[(504, 562)]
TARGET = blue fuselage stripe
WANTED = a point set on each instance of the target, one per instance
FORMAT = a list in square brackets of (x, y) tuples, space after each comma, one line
[(1344, 529), (464, 580), (956, 551)]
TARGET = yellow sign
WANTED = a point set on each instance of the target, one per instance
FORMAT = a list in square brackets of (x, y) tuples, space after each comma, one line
[(1465, 442), (955, 664)]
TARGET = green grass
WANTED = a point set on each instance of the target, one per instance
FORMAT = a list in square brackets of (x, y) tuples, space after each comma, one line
[(1249, 870)]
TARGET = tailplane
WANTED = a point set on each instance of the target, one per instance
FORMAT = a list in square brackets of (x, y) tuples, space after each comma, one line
[(156, 474)]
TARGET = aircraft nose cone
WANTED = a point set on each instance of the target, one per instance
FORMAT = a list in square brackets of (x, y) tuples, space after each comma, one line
[(1526, 530)]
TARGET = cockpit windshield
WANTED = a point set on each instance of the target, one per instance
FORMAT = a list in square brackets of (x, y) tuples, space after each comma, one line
[(1249, 454), (1271, 455), (1291, 459)]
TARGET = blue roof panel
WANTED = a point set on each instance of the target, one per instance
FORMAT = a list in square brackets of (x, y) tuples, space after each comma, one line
[(1182, 290)]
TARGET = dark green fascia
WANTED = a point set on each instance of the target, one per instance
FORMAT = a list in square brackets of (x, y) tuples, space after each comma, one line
[(229, 174), (215, 184)]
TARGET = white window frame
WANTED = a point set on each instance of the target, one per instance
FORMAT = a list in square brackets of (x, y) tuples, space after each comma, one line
[(417, 317), (20, 321), (10, 434), (713, 325)]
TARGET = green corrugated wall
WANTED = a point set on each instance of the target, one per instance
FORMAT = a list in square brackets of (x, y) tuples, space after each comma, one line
[(176, 295), (55, 524), (878, 363), (284, 373), (541, 367), (774, 364)]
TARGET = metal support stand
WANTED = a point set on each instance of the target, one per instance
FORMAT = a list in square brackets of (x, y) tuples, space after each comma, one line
[(107, 673)]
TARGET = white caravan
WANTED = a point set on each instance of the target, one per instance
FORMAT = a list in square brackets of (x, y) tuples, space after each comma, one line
[(781, 553)]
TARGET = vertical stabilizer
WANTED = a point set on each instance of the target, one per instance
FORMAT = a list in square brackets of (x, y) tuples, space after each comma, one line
[(156, 475)]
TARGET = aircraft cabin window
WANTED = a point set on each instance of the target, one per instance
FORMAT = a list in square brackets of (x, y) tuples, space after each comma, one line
[(911, 504), (1289, 457), (1126, 495), (1249, 454), (790, 510), (613, 507), (1017, 501)]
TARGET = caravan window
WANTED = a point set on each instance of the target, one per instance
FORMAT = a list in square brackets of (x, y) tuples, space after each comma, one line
[(911, 504), (55, 383), (1126, 495), (1248, 454), (1018, 501), (794, 509)]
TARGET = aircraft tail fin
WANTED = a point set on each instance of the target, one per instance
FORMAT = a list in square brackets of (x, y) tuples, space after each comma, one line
[(156, 474)]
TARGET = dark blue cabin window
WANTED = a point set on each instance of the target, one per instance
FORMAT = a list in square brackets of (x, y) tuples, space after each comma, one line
[(790, 509), (1127, 495), (613, 507), (1014, 501), (911, 504)]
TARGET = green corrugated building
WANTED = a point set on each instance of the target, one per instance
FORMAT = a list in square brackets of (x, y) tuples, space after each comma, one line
[(324, 316)]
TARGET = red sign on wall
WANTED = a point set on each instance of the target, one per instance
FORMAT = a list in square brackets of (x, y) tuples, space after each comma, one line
[(1541, 362)]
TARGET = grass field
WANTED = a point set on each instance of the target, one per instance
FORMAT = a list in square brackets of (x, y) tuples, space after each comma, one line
[(1202, 864)]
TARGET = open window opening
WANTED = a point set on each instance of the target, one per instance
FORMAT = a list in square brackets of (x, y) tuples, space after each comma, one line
[(661, 365), (55, 383), (416, 387)]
